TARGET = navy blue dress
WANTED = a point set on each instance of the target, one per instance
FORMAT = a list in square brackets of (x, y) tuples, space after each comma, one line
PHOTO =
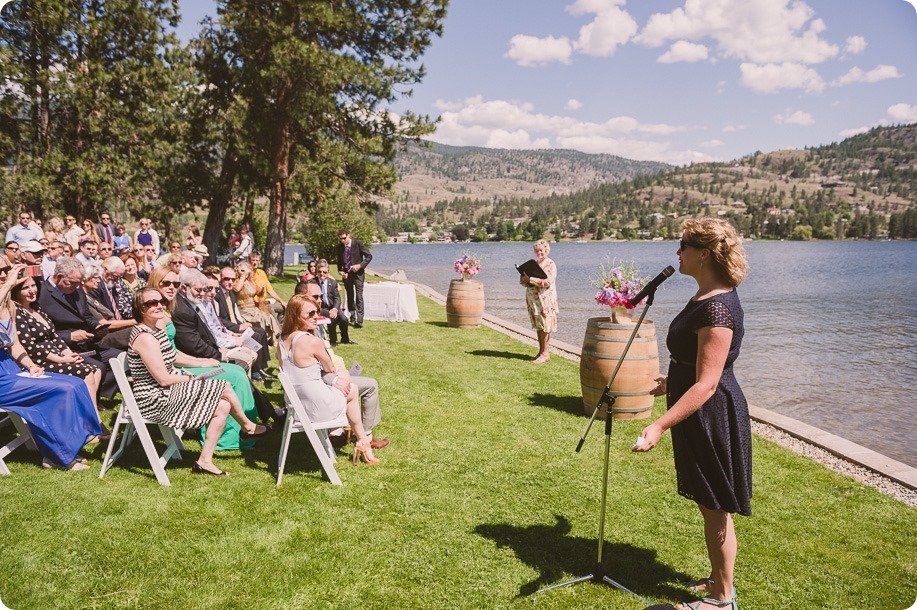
[(713, 446), (57, 408)]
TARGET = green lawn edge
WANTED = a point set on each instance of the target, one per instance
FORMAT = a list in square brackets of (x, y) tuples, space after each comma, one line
[(479, 501)]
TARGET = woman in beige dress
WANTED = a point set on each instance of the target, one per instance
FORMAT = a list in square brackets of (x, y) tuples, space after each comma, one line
[(246, 290)]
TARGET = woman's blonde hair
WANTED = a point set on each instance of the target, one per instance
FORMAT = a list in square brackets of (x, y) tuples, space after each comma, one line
[(544, 245), (725, 246)]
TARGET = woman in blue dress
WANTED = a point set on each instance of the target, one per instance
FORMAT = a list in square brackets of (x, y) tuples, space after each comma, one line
[(707, 412), (57, 408)]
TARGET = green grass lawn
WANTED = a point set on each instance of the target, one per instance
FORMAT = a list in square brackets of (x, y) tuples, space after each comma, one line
[(479, 501)]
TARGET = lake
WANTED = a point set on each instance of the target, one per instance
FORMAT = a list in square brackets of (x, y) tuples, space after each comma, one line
[(830, 327)]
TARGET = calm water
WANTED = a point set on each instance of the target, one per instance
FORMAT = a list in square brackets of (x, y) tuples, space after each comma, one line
[(830, 327)]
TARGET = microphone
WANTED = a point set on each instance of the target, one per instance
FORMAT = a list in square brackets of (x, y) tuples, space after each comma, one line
[(650, 288)]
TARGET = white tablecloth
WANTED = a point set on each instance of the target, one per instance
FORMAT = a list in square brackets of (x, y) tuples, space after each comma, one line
[(390, 302)]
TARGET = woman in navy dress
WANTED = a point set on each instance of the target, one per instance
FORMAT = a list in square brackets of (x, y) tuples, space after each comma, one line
[(707, 412), (57, 408)]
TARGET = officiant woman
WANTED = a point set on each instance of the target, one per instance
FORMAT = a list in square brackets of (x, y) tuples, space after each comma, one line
[(541, 300)]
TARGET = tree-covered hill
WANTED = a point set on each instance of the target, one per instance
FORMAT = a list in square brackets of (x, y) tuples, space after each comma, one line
[(864, 186)]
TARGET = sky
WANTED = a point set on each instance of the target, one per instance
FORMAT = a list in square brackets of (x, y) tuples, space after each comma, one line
[(678, 81)]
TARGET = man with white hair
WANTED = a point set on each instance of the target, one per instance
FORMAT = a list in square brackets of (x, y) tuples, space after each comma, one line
[(190, 260), (113, 291), (198, 330)]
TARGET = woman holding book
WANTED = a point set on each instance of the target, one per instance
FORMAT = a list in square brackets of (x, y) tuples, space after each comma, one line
[(541, 300)]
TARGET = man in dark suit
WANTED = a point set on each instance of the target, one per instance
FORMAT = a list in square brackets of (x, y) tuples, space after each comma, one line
[(227, 307), (63, 299), (105, 229), (331, 305), (353, 257)]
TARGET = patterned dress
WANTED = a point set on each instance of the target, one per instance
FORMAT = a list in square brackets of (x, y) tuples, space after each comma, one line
[(712, 446), (40, 340), (184, 405), (542, 302)]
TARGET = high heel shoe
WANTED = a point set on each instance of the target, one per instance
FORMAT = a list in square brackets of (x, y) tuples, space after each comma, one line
[(364, 451)]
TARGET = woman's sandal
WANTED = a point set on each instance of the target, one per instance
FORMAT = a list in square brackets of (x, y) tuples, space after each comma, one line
[(247, 435), (700, 585), (732, 604)]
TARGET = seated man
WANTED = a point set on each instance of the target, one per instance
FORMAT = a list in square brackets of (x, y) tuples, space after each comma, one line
[(198, 331), (330, 299), (64, 300), (367, 387), (224, 300)]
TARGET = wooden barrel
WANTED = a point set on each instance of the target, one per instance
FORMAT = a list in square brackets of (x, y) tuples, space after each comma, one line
[(602, 347), (465, 303)]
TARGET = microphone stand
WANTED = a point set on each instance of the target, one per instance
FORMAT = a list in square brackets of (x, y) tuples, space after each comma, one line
[(606, 401)]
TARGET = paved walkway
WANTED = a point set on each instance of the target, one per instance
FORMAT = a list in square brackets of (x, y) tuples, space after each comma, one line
[(857, 454)]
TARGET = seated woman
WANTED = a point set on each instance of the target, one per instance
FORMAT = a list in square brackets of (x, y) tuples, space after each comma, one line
[(303, 356), (166, 281), (123, 241), (174, 398), (57, 408), (131, 278), (42, 343), (246, 290)]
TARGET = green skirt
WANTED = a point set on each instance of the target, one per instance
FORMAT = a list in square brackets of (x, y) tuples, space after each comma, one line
[(238, 379)]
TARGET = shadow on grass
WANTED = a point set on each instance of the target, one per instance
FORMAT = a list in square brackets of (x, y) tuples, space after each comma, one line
[(567, 404), (438, 323), (492, 353), (556, 555)]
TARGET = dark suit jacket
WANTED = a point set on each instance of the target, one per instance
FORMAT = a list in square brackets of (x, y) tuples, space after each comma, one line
[(100, 229), (334, 297), (358, 252), (192, 336), (219, 299), (67, 317)]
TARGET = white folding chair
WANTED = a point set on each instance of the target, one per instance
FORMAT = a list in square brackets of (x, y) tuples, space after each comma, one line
[(24, 438), (316, 432), (134, 425)]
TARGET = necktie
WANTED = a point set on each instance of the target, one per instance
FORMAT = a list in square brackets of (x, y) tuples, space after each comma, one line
[(216, 315), (230, 309), (324, 295), (111, 300)]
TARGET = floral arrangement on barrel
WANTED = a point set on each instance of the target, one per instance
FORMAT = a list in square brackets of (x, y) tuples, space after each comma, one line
[(468, 265), (618, 284)]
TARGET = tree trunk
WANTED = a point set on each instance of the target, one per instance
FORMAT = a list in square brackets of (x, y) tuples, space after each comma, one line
[(219, 201)]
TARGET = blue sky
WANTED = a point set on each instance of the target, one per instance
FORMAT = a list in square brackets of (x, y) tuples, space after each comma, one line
[(666, 80)]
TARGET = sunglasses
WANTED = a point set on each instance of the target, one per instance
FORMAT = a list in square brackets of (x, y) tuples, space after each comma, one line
[(168, 284), (312, 314), (5, 269), (154, 302), (686, 244), (12, 249)]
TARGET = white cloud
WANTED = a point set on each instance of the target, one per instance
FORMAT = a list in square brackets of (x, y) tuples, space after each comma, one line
[(794, 118), (855, 45), (512, 124), (683, 50), (712, 144), (610, 28), (573, 104), (849, 133), (733, 128), (757, 31), (857, 75), (531, 51), (903, 113), (771, 78)]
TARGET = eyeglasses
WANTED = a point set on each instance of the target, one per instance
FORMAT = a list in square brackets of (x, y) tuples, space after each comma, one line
[(311, 314), (154, 302), (317, 297), (105, 249), (168, 284), (210, 289), (686, 244)]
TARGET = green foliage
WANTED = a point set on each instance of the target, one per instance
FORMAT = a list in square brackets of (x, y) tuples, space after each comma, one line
[(328, 216), (802, 233)]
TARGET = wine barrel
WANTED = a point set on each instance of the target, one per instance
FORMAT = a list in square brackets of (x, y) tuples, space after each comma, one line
[(465, 303), (603, 344)]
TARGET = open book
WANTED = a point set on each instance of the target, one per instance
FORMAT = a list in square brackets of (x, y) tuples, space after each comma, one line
[(531, 268)]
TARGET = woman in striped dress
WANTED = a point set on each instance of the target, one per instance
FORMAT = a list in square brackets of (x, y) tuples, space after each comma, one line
[(171, 397)]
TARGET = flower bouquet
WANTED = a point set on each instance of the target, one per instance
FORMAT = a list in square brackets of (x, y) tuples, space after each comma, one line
[(617, 285), (468, 265)]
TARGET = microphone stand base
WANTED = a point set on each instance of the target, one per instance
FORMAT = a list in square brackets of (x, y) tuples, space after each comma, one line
[(599, 576)]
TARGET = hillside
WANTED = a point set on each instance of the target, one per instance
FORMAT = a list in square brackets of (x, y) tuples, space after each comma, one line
[(864, 186), (444, 173)]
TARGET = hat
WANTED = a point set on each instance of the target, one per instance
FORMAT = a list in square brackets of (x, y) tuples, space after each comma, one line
[(33, 246), (201, 250)]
